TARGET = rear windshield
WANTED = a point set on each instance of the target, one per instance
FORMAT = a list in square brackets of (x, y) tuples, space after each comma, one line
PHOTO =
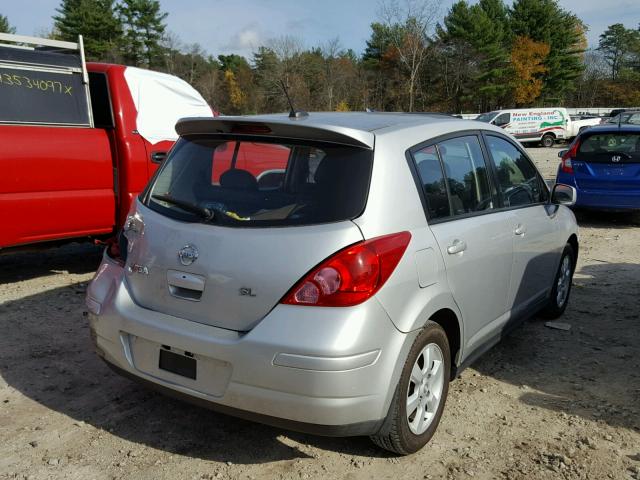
[(246, 183), (602, 147)]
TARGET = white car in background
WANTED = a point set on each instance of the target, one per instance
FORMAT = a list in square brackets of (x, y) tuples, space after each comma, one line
[(579, 123)]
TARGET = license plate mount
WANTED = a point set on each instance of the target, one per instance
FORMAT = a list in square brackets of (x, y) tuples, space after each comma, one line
[(178, 364)]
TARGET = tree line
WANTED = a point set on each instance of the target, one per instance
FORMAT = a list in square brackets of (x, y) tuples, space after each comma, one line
[(474, 58)]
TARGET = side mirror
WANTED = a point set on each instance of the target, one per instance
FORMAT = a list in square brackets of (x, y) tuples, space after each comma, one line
[(562, 194), (562, 153)]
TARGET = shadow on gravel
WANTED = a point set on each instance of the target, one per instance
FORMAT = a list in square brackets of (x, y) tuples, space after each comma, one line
[(74, 258), (593, 370), (601, 219), (46, 354)]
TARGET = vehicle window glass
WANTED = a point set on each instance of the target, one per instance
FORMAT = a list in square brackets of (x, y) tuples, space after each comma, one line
[(502, 119), (466, 174), (433, 183), (262, 184), (601, 147), (634, 119), (518, 180), (100, 100), (486, 117), (41, 87)]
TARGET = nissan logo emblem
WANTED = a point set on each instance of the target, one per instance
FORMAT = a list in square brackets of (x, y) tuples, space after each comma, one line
[(188, 254)]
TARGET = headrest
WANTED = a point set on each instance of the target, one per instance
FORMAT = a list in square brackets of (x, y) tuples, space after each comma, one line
[(238, 180)]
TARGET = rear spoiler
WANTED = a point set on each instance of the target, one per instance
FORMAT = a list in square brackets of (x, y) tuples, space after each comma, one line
[(277, 128)]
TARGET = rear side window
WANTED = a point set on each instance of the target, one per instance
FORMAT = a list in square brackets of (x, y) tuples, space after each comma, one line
[(100, 100), (433, 182), (242, 183), (454, 177), (602, 147), (518, 180), (466, 173), (42, 88)]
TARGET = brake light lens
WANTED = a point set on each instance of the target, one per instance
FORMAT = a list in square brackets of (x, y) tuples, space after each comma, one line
[(566, 165), (351, 275)]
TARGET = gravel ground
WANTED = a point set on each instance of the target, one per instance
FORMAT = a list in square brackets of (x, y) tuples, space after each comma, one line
[(543, 404)]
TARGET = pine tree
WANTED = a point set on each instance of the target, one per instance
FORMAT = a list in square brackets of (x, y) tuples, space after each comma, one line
[(480, 30), (618, 43), (95, 20), (144, 30), (544, 21), (5, 27)]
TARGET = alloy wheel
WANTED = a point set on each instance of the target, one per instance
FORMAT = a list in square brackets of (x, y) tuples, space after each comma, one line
[(564, 281), (425, 388)]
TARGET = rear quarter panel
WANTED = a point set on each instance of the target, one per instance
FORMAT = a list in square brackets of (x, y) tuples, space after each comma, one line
[(418, 286)]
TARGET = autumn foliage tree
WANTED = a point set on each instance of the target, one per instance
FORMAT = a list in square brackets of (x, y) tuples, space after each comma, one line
[(528, 63)]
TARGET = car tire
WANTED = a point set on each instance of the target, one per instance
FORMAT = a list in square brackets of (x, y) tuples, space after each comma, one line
[(561, 290), (418, 390), (548, 140)]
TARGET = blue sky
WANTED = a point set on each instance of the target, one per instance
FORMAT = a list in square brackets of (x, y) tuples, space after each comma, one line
[(238, 26)]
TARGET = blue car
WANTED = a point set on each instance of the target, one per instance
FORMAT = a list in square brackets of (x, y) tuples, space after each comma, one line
[(603, 164)]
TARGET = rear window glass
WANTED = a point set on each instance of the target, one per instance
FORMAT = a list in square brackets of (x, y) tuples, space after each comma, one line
[(40, 87), (243, 183), (604, 146)]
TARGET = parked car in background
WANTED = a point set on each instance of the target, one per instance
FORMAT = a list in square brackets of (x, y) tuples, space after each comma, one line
[(579, 123), (544, 125), (603, 164), (79, 141), (341, 298), (628, 117)]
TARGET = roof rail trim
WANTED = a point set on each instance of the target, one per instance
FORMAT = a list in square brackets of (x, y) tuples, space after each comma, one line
[(46, 42)]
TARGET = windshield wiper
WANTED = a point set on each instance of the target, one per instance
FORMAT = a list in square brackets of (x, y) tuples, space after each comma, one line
[(204, 213)]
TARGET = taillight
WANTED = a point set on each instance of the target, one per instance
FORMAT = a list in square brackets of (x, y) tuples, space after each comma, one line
[(351, 275), (566, 165)]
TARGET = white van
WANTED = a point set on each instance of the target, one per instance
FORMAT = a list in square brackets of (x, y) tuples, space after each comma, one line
[(545, 125)]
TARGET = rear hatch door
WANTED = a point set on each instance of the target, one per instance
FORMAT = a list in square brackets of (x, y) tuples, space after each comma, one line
[(609, 161), (228, 227)]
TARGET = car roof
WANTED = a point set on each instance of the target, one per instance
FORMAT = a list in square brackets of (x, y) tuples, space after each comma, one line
[(365, 121), (612, 128), (356, 128)]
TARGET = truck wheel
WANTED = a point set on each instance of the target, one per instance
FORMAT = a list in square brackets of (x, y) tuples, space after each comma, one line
[(548, 140), (420, 396), (561, 285)]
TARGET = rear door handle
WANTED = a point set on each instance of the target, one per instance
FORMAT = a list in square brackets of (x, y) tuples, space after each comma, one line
[(520, 230), (456, 247)]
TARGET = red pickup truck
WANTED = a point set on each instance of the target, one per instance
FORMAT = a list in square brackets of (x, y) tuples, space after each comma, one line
[(78, 141)]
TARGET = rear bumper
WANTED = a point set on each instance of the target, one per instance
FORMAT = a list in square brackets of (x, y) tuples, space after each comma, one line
[(608, 200), (602, 199), (319, 370)]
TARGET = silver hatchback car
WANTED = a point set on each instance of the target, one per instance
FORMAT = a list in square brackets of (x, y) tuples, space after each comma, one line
[(331, 273)]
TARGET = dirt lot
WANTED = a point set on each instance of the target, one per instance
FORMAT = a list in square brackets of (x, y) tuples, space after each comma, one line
[(544, 403)]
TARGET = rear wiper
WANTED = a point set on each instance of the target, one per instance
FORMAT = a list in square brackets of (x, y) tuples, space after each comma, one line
[(204, 213)]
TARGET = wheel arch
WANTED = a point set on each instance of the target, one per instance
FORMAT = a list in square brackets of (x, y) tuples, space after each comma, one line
[(448, 320), (573, 241)]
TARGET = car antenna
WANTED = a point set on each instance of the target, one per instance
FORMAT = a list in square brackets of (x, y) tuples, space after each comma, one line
[(293, 113)]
